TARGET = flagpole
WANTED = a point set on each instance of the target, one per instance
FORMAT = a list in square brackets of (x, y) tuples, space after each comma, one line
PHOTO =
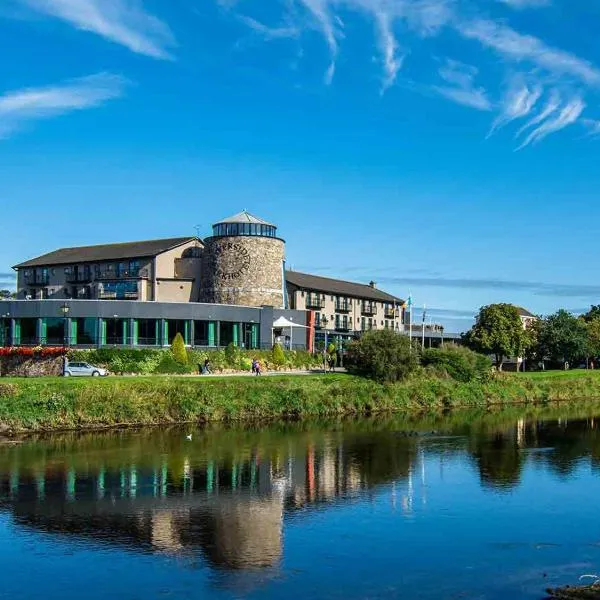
[(410, 319), (423, 329)]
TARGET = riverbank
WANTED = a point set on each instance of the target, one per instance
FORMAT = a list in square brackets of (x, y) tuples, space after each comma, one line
[(57, 404)]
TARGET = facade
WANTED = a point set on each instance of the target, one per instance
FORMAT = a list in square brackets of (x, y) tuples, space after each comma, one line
[(343, 309), (228, 288), (154, 270)]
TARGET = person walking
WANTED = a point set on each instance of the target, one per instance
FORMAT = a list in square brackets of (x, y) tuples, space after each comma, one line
[(258, 368), (206, 369)]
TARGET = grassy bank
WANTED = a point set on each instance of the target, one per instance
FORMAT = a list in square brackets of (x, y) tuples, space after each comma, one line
[(57, 403)]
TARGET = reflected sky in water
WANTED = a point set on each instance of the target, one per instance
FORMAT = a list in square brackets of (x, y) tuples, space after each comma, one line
[(464, 506)]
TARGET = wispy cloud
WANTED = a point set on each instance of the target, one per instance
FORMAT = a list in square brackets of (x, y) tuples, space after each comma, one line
[(568, 115), (518, 102), (536, 288), (121, 21), (389, 48), (519, 47), (461, 88), (592, 126), (269, 33), (526, 3), (329, 27), (33, 104)]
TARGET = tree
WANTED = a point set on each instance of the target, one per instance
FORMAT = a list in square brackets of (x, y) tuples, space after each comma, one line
[(178, 349), (382, 355), (593, 337), (498, 330), (6, 295), (563, 338), (592, 314), (278, 355)]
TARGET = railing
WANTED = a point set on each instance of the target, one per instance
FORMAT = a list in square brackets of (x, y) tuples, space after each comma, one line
[(391, 313), (343, 306), (122, 274), (343, 326), (110, 295), (84, 277), (38, 280), (314, 302), (368, 309)]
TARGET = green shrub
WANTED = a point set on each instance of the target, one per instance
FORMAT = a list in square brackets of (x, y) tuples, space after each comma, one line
[(233, 356), (382, 355), (170, 366), (278, 355), (458, 362), (178, 350)]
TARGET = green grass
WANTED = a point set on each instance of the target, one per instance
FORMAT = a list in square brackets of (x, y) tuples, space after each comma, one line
[(79, 403)]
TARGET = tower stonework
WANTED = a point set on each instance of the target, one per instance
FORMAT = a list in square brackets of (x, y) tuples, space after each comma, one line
[(242, 263)]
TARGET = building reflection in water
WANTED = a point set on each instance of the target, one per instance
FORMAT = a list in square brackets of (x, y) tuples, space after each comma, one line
[(229, 504)]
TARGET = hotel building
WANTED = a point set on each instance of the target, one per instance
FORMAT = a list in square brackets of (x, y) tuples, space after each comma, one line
[(229, 287)]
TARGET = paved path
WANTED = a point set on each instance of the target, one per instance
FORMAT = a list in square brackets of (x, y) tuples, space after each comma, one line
[(269, 373)]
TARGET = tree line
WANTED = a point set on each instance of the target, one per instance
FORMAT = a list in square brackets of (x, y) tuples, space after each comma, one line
[(560, 340)]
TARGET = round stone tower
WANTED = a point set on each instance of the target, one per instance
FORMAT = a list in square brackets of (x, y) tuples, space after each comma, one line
[(242, 263)]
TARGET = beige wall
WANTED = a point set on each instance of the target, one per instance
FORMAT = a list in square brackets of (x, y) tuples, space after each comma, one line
[(354, 314), (174, 290)]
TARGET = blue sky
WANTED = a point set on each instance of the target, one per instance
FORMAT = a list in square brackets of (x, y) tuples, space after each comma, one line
[(443, 147)]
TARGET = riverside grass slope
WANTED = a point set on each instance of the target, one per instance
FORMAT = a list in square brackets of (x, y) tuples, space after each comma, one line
[(60, 404)]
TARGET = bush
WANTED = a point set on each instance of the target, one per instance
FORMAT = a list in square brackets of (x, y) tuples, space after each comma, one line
[(382, 355), (278, 355), (458, 362), (178, 350)]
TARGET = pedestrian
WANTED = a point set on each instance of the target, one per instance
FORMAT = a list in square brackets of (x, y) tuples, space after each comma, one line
[(206, 370), (257, 368), (254, 363)]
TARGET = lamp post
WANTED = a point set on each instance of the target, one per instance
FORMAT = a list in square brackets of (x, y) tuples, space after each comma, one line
[(65, 311)]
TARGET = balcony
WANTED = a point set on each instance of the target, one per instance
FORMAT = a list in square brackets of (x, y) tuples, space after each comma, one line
[(38, 280), (391, 313), (343, 306), (314, 303), (111, 295), (79, 277), (368, 309), (343, 326), (119, 275)]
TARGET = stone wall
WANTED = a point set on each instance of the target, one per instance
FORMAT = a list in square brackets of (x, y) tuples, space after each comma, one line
[(243, 271), (27, 366)]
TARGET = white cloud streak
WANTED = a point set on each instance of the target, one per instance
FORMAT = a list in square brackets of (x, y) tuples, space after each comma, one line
[(518, 102), (552, 105), (462, 89), (121, 21), (33, 104), (519, 47), (520, 4), (269, 33), (389, 49), (569, 114), (319, 9)]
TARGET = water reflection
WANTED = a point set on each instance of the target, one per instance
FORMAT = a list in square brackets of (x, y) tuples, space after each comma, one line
[(226, 495)]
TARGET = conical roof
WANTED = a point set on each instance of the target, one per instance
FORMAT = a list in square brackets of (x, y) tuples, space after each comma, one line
[(244, 217)]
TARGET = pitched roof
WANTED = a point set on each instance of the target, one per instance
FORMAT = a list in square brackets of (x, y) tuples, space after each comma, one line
[(65, 256), (523, 312), (338, 287), (244, 217)]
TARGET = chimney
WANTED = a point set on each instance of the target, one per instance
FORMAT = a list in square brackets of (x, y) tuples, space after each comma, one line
[(372, 284)]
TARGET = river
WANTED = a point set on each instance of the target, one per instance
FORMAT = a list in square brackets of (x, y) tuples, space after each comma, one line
[(470, 505)]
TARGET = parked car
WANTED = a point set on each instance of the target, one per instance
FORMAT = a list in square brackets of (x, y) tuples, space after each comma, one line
[(80, 369)]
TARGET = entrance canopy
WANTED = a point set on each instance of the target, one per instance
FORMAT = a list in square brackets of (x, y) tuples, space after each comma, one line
[(283, 322)]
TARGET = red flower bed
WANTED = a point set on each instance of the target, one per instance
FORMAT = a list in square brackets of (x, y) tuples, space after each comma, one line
[(38, 351)]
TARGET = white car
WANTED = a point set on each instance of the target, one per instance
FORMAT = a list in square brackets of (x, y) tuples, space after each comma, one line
[(80, 369)]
